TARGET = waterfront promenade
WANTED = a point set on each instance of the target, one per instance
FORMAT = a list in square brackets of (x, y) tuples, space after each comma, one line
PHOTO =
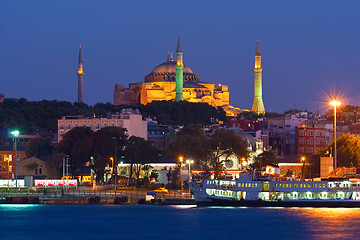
[(88, 195)]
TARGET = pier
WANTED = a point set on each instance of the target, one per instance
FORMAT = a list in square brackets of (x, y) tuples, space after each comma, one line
[(89, 196)]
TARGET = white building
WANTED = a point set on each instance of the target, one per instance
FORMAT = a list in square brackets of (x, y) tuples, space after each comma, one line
[(130, 119)]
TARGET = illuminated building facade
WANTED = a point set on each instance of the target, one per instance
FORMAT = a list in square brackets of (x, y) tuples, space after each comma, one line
[(7, 160), (172, 80), (312, 137), (130, 119)]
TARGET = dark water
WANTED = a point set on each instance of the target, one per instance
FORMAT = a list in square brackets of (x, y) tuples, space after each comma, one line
[(175, 222)]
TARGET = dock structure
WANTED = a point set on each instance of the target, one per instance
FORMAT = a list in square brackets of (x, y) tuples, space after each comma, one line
[(83, 196)]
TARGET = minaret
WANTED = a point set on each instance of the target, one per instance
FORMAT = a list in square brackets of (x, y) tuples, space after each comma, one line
[(80, 74), (258, 105), (179, 72)]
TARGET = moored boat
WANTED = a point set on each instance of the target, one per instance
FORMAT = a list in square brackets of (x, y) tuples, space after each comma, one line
[(276, 193)]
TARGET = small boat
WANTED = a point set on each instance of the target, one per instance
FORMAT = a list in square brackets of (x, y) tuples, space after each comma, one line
[(276, 193)]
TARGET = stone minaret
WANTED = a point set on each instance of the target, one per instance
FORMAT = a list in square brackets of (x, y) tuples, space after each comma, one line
[(258, 105), (80, 74), (179, 72)]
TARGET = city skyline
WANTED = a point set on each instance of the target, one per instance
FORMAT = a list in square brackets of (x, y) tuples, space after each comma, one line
[(309, 51)]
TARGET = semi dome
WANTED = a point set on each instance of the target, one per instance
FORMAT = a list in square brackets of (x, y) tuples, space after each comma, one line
[(167, 72)]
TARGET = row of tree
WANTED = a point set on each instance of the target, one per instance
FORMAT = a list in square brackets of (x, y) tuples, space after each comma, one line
[(85, 147), (42, 116), (208, 153)]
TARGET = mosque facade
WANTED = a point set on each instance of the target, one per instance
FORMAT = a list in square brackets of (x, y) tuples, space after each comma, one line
[(172, 81)]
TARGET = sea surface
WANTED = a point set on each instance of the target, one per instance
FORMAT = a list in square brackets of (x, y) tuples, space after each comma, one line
[(175, 222)]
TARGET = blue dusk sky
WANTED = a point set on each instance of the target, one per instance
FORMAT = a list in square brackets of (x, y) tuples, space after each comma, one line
[(310, 49)]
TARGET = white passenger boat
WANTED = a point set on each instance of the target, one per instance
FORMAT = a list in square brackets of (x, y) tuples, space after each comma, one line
[(272, 193)]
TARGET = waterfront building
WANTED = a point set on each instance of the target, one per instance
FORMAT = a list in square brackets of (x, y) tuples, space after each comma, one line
[(283, 132), (35, 167), (313, 136), (130, 119), (7, 160)]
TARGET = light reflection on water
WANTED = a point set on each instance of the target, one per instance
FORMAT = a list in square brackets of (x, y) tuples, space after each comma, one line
[(17, 207), (175, 222), (330, 223)]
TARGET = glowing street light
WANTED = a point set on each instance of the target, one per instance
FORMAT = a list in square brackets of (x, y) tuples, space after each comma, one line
[(181, 162), (189, 162), (243, 163), (335, 103), (15, 133)]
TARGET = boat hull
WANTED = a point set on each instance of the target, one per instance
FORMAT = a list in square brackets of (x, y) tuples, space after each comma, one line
[(292, 203)]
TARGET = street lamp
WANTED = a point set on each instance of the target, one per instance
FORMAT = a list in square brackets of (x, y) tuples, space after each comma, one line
[(15, 133), (112, 167), (181, 162), (243, 163), (189, 162), (303, 160), (335, 103)]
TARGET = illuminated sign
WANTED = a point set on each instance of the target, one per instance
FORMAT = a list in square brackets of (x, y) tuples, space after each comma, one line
[(71, 183)]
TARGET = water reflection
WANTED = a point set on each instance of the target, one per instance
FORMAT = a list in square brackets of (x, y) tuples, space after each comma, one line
[(329, 223), (17, 207)]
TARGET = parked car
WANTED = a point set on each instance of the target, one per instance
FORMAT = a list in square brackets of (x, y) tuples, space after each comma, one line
[(161, 190)]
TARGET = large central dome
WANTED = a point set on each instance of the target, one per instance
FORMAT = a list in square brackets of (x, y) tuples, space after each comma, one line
[(167, 72)]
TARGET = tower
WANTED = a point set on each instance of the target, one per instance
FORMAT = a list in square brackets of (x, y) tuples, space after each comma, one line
[(80, 74), (258, 105), (179, 72)]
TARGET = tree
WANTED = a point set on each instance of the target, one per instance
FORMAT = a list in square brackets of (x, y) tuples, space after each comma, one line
[(266, 158), (77, 144), (39, 147), (223, 144), (191, 143), (107, 142), (348, 153), (139, 152)]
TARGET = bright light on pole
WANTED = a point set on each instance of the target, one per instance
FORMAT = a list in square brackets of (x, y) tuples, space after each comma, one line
[(335, 103), (189, 162), (15, 133), (181, 162)]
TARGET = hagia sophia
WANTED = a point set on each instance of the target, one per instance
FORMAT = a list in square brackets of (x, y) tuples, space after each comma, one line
[(172, 80)]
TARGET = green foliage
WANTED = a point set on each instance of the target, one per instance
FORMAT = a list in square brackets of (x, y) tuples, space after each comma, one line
[(154, 174), (249, 115), (39, 147), (191, 143), (348, 152), (77, 144), (107, 142), (182, 113), (32, 116), (140, 152), (266, 158), (82, 145)]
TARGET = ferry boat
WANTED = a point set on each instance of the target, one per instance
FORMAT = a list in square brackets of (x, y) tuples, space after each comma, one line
[(273, 193)]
